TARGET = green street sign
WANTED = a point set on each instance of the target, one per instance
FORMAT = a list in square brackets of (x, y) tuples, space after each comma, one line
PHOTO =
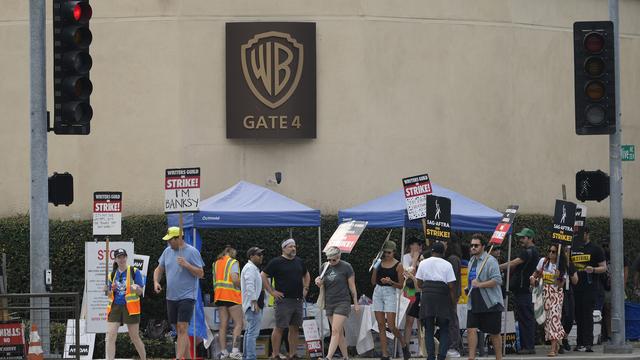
[(628, 152)]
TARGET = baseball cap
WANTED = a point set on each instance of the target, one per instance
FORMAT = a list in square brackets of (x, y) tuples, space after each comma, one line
[(526, 232), (172, 232), (254, 251), (120, 252), (389, 245)]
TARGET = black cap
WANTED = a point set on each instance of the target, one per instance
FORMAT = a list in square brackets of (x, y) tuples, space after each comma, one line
[(254, 251), (438, 248), (119, 252)]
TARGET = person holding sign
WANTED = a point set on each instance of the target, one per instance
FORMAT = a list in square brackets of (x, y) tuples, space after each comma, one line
[(339, 282), (589, 261), (291, 286), (124, 289), (183, 265), (552, 274), (485, 303), (228, 299), (388, 278)]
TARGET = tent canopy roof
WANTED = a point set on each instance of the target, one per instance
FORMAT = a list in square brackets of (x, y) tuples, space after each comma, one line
[(246, 205), (389, 211)]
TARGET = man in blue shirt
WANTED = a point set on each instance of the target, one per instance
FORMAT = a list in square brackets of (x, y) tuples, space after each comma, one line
[(183, 265)]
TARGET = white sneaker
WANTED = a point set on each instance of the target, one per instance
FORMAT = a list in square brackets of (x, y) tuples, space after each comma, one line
[(236, 355), (453, 353), (224, 354)]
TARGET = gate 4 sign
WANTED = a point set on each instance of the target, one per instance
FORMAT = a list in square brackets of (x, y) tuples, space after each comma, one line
[(12, 340), (564, 219), (107, 213), (438, 218), (416, 189), (505, 224), (347, 235), (182, 190)]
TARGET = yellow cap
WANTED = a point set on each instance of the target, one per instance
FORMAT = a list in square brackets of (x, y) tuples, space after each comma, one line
[(173, 231)]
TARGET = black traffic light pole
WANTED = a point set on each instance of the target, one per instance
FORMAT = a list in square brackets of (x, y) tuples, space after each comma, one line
[(617, 344)]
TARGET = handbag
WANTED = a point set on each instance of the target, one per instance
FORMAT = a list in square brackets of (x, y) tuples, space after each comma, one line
[(537, 296)]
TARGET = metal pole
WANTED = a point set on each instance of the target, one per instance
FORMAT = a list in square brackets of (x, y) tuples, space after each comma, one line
[(193, 243), (395, 341), (39, 202), (617, 344), (506, 302), (320, 311)]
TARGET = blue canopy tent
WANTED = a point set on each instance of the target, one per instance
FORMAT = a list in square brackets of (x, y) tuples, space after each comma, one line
[(244, 205), (390, 211)]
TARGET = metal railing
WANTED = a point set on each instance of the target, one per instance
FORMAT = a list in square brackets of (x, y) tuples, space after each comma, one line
[(51, 313)]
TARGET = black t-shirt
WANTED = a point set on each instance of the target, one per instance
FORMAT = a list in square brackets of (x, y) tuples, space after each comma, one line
[(583, 256), (522, 272), (287, 275)]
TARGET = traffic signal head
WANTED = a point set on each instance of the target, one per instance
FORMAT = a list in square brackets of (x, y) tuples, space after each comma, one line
[(592, 185), (71, 65), (61, 189), (594, 68)]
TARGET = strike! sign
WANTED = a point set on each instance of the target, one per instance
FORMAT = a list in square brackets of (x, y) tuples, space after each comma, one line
[(416, 189), (12, 340), (564, 219), (438, 219), (504, 225), (347, 235), (182, 190), (107, 213)]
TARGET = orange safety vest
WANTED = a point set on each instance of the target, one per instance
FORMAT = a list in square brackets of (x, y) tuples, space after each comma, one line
[(132, 299), (223, 288)]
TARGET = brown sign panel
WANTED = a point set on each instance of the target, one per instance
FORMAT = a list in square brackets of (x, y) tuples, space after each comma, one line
[(271, 80)]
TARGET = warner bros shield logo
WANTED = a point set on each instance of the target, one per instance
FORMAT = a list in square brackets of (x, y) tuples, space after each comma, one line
[(272, 64)]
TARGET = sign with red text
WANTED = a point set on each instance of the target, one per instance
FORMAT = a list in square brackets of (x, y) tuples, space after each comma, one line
[(182, 190), (346, 235), (504, 225), (12, 340), (107, 213), (94, 281), (416, 189)]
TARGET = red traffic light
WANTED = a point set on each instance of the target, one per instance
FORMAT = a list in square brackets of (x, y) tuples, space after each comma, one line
[(81, 12), (594, 42)]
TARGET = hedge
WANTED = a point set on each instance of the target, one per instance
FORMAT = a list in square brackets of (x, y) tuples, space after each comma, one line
[(67, 240)]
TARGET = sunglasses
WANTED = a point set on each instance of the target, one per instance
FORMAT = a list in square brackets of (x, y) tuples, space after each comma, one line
[(476, 245), (388, 252), (552, 251)]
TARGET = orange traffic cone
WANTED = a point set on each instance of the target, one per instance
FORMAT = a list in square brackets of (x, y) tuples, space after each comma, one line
[(35, 346)]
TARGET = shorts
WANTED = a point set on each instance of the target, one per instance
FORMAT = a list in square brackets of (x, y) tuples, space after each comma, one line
[(487, 322), (385, 299), (120, 314), (342, 308), (414, 307), (224, 303), (180, 310), (288, 312)]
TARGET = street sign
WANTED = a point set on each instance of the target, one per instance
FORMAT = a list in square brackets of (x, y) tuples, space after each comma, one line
[(628, 152)]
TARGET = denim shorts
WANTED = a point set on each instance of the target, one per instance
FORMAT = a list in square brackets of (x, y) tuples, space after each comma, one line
[(385, 299)]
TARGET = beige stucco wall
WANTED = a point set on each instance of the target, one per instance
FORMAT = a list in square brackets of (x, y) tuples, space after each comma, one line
[(477, 93)]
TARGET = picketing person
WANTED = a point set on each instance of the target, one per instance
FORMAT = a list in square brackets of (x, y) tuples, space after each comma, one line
[(228, 298)]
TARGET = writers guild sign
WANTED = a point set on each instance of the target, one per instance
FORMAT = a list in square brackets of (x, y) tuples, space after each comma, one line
[(271, 80)]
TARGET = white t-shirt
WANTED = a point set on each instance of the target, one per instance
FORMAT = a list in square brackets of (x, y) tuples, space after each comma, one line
[(435, 269), (549, 272)]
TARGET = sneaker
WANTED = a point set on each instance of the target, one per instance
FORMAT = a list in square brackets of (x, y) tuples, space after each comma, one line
[(580, 348), (565, 344), (588, 349), (236, 355), (224, 354), (453, 353)]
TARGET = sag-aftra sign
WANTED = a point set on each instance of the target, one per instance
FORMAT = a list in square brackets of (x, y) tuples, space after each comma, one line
[(271, 80)]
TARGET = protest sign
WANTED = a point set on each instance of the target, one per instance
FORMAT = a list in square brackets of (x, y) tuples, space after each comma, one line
[(581, 222), (94, 271), (416, 188), (12, 340), (504, 225), (182, 190), (87, 341), (142, 263), (438, 218), (346, 235), (107, 213), (564, 219)]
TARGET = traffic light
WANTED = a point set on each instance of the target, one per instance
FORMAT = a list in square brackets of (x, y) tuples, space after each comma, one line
[(594, 68), (61, 189), (72, 85), (592, 185)]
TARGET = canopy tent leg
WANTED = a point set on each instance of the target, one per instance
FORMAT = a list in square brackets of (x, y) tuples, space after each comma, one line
[(321, 311), (395, 342), (195, 289)]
